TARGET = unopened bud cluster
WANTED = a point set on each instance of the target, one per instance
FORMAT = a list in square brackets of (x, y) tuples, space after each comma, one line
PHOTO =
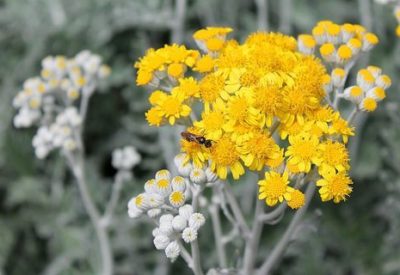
[(166, 200), (51, 99)]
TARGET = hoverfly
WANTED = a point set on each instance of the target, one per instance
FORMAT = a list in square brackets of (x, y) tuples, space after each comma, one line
[(196, 138)]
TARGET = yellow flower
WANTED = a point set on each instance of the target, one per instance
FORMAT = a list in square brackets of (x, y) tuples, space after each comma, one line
[(303, 151), (198, 153), (154, 117), (335, 155), (156, 97), (335, 186), (211, 123), (297, 199), (204, 64), (211, 87), (223, 156), (240, 110), (188, 87), (172, 107), (257, 149), (274, 188), (341, 127)]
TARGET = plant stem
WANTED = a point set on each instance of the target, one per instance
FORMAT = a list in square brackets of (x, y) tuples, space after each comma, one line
[(112, 204), (195, 245), (216, 223), (280, 247), (237, 213), (251, 249), (77, 166), (274, 214)]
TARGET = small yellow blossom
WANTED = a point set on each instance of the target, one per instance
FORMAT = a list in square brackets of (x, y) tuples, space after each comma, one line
[(297, 199), (275, 188), (335, 186)]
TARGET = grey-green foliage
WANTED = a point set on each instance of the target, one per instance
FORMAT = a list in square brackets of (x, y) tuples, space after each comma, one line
[(43, 226)]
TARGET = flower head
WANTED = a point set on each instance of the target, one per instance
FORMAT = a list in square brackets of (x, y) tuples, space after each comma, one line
[(274, 188)]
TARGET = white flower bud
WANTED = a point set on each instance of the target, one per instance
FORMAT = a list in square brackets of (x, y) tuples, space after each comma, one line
[(163, 174), (163, 187), (177, 198), (166, 218), (134, 213), (189, 235), (152, 213), (179, 223), (178, 183), (166, 229), (155, 232), (150, 186), (198, 176), (180, 159), (186, 211), (184, 170), (141, 201), (155, 200), (161, 242), (173, 250), (196, 221)]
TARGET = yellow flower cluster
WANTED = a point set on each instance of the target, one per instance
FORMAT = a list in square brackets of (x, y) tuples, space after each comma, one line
[(263, 106)]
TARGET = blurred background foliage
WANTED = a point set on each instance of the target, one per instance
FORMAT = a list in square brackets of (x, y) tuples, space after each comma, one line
[(43, 226)]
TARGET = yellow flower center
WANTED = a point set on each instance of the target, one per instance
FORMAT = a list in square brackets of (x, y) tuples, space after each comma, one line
[(248, 79), (215, 44), (213, 121), (355, 91), (224, 152), (162, 183), (345, 52), (297, 199), (369, 104), (238, 109), (275, 186), (327, 49), (334, 153), (305, 149), (139, 200), (175, 70), (171, 106), (339, 185), (210, 87), (176, 197)]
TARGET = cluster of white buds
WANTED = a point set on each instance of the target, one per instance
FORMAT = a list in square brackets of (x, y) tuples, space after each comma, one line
[(338, 44), (196, 175), (370, 88), (172, 228), (164, 192), (60, 134), (125, 158), (49, 100), (166, 201)]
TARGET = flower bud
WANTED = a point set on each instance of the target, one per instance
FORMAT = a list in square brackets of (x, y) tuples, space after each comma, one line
[(196, 221), (179, 223), (173, 250), (186, 211), (198, 176), (161, 242), (178, 184), (189, 235), (177, 198), (163, 174)]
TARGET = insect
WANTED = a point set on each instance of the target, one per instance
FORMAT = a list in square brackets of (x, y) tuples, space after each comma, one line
[(196, 138)]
